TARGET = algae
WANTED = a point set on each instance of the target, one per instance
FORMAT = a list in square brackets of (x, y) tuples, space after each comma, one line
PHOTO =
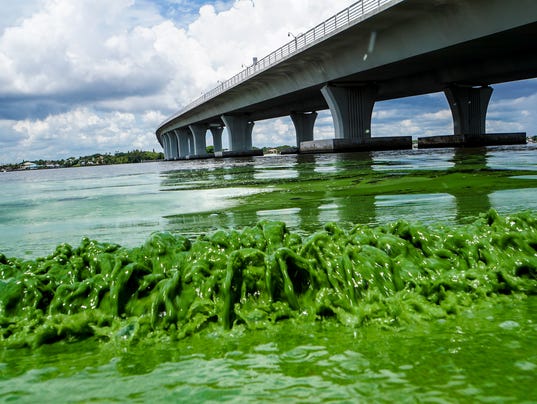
[(310, 190), (171, 287)]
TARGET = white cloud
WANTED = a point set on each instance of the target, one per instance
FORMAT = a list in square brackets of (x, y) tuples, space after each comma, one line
[(12, 12), (514, 114), (70, 68), (443, 114), (93, 132), (99, 75)]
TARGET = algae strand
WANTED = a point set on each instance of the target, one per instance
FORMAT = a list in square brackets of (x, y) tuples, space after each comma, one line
[(393, 274)]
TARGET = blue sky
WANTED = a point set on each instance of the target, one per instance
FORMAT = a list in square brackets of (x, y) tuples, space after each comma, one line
[(99, 76)]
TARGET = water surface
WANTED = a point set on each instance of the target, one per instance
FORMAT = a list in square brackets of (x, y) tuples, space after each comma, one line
[(485, 353), (124, 204)]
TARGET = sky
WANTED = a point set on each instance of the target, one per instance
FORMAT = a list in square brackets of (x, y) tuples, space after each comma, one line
[(79, 77)]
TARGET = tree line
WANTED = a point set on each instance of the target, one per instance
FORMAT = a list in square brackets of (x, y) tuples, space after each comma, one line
[(134, 156)]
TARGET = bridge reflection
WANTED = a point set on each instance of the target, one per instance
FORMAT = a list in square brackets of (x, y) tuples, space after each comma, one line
[(340, 197)]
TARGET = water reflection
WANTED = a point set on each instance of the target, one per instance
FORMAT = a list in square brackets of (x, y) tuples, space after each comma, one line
[(470, 201), (125, 204), (224, 179), (422, 207), (356, 208), (341, 188)]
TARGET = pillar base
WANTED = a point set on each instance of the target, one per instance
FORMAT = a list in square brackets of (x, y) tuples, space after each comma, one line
[(291, 150), (199, 156), (351, 108), (239, 129), (243, 153), (489, 139), (344, 145), (304, 124)]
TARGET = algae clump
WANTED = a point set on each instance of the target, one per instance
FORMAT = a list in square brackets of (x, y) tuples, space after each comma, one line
[(172, 287)]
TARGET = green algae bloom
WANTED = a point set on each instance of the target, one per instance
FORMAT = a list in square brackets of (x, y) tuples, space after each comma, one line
[(171, 287)]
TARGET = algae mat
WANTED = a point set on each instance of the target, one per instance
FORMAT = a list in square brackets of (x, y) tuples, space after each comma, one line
[(351, 299), (334, 288)]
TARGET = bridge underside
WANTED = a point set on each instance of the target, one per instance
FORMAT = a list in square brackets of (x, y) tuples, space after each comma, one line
[(460, 47), (495, 59)]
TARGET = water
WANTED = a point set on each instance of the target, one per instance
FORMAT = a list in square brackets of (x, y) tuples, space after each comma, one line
[(485, 354), (124, 204), (121, 204)]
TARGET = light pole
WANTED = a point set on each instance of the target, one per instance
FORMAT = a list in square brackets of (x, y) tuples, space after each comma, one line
[(290, 34)]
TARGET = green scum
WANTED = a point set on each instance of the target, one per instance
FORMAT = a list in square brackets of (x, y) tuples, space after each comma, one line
[(172, 287)]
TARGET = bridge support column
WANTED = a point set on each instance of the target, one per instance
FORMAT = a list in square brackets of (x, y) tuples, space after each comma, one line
[(174, 148), (303, 126), (351, 108), (469, 108), (240, 132), (165, 146), (190, 138), (170, 146), (199, 133), (216, 131), (182, 138)]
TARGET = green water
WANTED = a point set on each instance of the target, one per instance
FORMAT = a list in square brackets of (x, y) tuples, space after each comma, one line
[(418, 293), (486, 355)]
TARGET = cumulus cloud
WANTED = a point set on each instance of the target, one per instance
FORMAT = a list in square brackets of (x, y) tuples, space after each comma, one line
[(92, 131), (512, 109), (82, 50), (99, 75), (96, 60)]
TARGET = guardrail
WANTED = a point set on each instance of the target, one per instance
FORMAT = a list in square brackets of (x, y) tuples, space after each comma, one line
[(352, 14)]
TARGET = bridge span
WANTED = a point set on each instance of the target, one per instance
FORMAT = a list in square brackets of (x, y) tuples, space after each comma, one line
[(373, 50)]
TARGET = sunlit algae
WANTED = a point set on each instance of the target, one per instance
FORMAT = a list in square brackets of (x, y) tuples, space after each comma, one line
[(172, 287)]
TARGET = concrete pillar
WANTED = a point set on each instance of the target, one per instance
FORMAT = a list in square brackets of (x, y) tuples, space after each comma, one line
[(351, 108), (240, 132), (174, 148), (164, 145), (182, 137), (303, 126), (199, 133), (468, 108), (191, 147), (186, 143), (217, 137), (169, 146)]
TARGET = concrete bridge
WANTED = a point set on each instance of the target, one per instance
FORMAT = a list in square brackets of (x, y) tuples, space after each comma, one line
[(373, 50)]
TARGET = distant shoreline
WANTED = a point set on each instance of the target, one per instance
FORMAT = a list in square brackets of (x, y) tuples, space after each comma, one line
[(135, 156), (131, 157)]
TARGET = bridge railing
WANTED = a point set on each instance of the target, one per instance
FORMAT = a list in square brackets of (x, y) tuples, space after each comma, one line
[(351, 15)]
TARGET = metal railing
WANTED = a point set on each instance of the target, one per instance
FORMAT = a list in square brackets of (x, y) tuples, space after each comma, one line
[(351, 15)]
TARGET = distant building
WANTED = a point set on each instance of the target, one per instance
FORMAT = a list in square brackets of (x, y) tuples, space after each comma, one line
[(29, 165), (272, 151)]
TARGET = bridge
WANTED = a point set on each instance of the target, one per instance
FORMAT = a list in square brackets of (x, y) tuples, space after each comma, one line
[(373, 50)]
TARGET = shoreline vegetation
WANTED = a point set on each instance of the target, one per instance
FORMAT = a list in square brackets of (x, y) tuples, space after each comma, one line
[(134, 156), (393, 275), (130, 157), (99, 159)]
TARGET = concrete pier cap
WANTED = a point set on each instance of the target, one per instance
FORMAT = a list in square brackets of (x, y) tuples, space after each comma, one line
[(351, 106), (469, 105), (216, 131), (303, 123), (199, 132), (166, 146), (239, 129), (183, 136)]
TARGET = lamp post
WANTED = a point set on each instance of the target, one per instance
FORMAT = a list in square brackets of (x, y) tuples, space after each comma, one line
[(295, 37)]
